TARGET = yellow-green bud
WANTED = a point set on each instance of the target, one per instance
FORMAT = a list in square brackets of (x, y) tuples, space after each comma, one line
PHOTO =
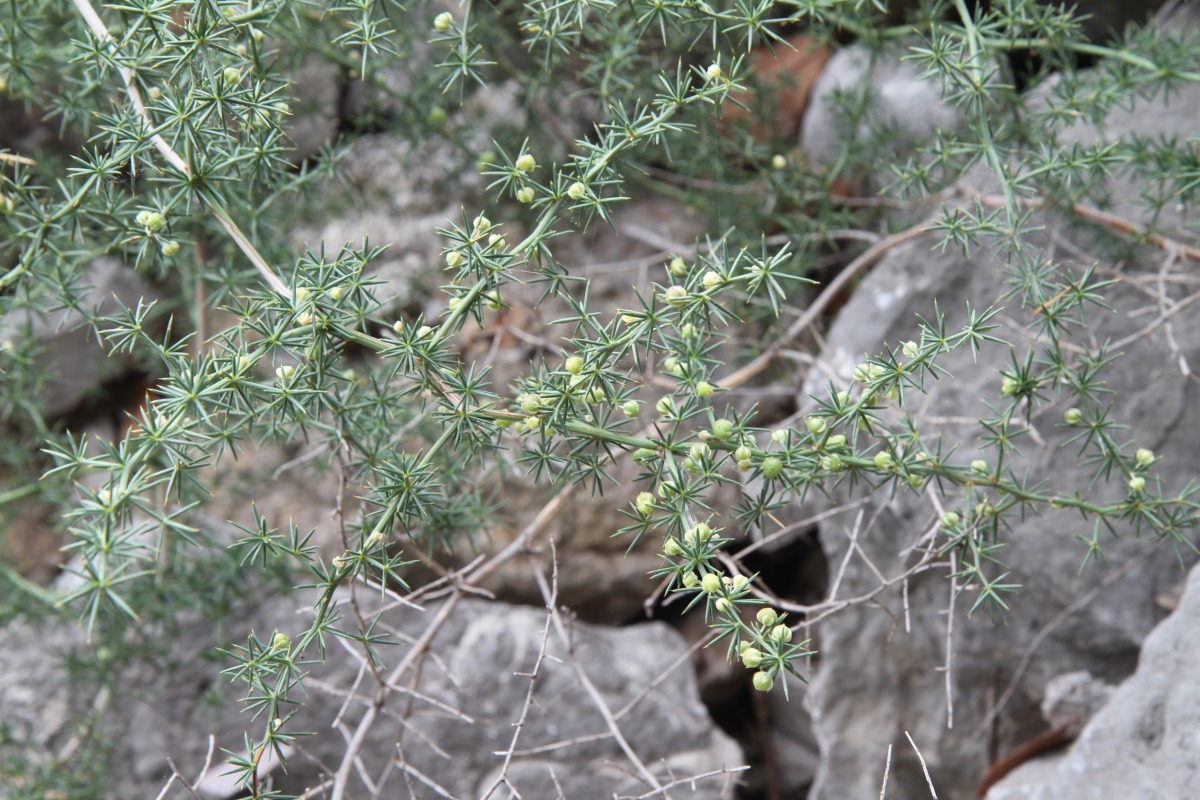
[(285, 372), (780, 436), (690, 579), (526, 163), (1009, 386), (763, 681), (979, 466), (526, 194), (816, 425), (711, 583), (743, 453), (671, 546), (454, 259), (678, 267), (772, 467), (595, 395), (1144, 457), (722, 429), (1072, 416), (670, 365), (704, 389), (153, 220), (722, 605), (713, 72), (711, 279), (676, 295), (778, 161), (1137, 483), (231, 75), (424, 331), (835, 442), (752, 657), (169, 248), (280, 641), (573, 365), (644, 455), (767, 618), (831, 463), (665, 406), (530, 402), (781, 633), (740, 582), (336, 292), (884, 460), (533, 423), (442, 22), (644, 503), (630, 408), (576, 191), (950, 519)]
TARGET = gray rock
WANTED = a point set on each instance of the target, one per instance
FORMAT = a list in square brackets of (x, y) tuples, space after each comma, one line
[(448, 720), (910, 107), (75, 364), (1143, 743), (879, 671)]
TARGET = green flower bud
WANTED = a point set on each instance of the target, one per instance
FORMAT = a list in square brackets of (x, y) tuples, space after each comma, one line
[(781, 633), (763, 681), (862, 372), (526, 195), (722, 429), (816, 425), (1144, 457), (533, 423), (644, 455), (835, 442), (577, 191), (285, 372), (778, 161), (630, 408), (670, 365), (454, 259), (574, 365), (676, 295), (690, 579), (678, 267), (713, 73), (1072, 416), (530, 402), (665, 406), (831, 463), (950, 519), (911, 350), (481, 224), (525, 163), (169, 248), (231, 75), (780, 436), (698, 451), (884, 460), (153, 221), (752, 657), (442, 22), (688, 330), (743, 453), (504, 423), (644, 503), (704, 389), (1137, 483), (722, 605), (280, 641), (711, 583), (772, 467), (595, 395), (671, 546), (767, 618), (979, 466), (423, 331), (711, 279), (665, 488), (1009, 386)]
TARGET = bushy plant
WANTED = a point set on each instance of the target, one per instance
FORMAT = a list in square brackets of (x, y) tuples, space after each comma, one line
[(182, 107)]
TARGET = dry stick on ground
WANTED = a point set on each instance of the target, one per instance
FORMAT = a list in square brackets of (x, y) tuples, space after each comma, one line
[(925, 769), (589, 687), (887, 768)]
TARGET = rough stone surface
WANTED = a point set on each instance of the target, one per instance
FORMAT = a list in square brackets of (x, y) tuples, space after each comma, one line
[(447, 726), (1143, 743), (878, 674), (74, 362), (911, 107)]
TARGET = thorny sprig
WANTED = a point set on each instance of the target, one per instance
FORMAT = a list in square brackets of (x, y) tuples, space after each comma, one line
[(185, 108)]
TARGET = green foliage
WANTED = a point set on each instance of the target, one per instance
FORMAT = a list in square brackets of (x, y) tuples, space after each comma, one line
[(183, 105)]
